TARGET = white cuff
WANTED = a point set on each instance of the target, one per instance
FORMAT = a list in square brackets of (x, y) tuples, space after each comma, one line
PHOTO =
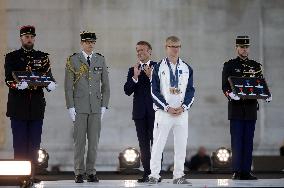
[(51, 86), (184, 107), (166, 108), (135, 81)]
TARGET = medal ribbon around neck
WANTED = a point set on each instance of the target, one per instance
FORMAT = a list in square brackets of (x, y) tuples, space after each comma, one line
[(173, 78)]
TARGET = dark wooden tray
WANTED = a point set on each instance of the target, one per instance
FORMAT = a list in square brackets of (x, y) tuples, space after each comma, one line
[(33, 79), (249, 88)]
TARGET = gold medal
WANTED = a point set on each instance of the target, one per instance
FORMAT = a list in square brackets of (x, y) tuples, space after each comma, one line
[(177, 91), (174, 91)]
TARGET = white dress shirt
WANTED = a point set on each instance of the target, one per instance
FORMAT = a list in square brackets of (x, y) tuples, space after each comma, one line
[(86, 55), (141, 64)]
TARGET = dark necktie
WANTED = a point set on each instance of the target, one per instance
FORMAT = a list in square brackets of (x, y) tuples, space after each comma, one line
[(88, 60)]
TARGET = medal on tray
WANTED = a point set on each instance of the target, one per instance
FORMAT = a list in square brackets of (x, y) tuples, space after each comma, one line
[(249, 88)]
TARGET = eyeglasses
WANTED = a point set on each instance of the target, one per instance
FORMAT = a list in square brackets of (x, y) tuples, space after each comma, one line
[(174, 46)]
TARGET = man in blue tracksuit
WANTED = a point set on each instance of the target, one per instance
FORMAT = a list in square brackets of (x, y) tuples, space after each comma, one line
[(173, 94)]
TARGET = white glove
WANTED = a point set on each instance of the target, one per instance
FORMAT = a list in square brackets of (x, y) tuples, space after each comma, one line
[(234, 96), (22, 85), (269, 99), (72, 113), (103, 110), (51, 86)]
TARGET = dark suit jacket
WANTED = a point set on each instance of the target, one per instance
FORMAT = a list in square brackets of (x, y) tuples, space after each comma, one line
[(142, 99)]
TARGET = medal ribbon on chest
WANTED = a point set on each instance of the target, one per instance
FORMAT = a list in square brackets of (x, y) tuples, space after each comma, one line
[(173, 79)]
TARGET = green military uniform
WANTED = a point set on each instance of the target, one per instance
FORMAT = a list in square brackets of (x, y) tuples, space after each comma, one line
[(87, 90)]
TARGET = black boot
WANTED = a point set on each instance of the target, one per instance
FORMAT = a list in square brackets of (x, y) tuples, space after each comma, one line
[(248, 176), (143, 179), (236, 176), (92, 178), (79, 178)]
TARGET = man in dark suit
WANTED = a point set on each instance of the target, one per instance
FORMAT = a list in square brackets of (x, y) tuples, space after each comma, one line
[(138, 82)]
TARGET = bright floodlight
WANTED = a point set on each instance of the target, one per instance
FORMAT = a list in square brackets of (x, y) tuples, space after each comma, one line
[(130, 155), (11, 168), (223, 154), (129, 159)]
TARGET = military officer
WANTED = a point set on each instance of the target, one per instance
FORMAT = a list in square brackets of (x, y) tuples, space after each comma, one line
[(242, 113), (87, 96), (26, 103)]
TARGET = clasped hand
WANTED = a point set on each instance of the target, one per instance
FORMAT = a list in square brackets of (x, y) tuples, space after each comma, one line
[(175, 111)]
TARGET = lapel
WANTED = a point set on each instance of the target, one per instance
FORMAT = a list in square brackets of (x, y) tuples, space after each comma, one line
[(82, 58), (94, 60)]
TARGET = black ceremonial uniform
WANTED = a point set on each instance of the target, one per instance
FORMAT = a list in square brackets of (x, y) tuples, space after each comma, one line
[(242, 109), (27, 104), (241, 113)]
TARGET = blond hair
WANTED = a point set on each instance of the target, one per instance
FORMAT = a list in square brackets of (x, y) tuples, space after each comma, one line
[(172, 39)]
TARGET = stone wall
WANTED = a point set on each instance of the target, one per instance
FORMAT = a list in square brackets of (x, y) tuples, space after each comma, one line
[(207, 30)]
